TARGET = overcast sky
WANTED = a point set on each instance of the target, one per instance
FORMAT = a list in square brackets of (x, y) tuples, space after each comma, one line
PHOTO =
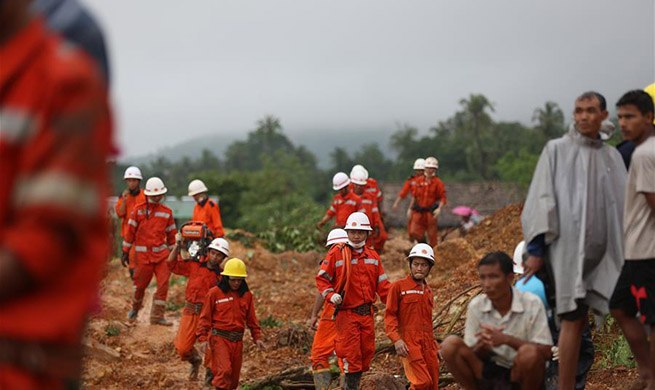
[(186, 69)]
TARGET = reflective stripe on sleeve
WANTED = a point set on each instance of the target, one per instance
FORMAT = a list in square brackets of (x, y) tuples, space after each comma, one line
[(371, 261), (140, 248), (325, 275), (160, 248), (325, 292), (127, 244), (382, 277), (162, 214), (170, 227), (339, 263), (132, 222), (57, 188)]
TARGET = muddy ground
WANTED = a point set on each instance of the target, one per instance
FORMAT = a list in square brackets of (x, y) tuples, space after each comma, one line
[(142, 356)]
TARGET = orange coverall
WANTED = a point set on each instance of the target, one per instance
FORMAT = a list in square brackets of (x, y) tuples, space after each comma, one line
[(130, 203), (409, 317), (326, 334), (355, 344), (428, 194), (370, 208), (201, 279), (55, 138), (152, 233), (209, 213), (408, 187), (227, 312), (342, 207)]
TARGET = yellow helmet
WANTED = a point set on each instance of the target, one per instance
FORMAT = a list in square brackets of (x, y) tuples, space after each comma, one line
[(651, 91), (236, 268)]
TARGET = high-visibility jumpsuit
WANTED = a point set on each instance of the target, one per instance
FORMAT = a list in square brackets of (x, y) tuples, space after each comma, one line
[(355, 344), (55, 139), (201, 279), (342, 207), (409, 317), (222, 321), (429, 194), (370, 208), (409, 187), (208, 212), (130, 203), (325, 337), (151, 231)]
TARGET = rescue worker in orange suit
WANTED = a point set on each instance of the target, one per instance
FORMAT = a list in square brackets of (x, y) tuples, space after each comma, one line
[(349, 278), (371, 184), (130, 197), (151, 231), (410, 184), (206, 210), (429, 199), (370, 208), (203, 275), (227, 310), (408, 321), (55, 138), (343, 204), (326, 333)]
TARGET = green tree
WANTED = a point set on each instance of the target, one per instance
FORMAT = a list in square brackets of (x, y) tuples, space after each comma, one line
[(475, 123), (341, 161), (549, 120)]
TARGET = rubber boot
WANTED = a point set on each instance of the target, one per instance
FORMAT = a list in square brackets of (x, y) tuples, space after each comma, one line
[(352, 381), (131, 316), (157, 313), (209, 377), (195, 360), (322, 379)]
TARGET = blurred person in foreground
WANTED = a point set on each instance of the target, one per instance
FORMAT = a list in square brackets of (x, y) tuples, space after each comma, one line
[(572, 222), (55, 138), (633, 300), (506, 340)]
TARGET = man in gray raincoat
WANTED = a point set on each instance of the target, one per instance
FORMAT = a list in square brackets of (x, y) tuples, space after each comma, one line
[(572, 222)]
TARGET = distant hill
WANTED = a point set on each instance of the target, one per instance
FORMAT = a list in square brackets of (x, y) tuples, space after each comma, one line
[(319, 142)]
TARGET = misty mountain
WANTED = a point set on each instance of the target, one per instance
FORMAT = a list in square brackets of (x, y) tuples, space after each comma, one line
[(319, 142)]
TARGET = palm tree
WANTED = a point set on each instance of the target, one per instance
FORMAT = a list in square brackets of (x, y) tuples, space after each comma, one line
[(550, 120), (476, 122)]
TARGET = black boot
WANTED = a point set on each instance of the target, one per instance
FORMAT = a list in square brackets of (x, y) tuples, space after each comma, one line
[(209, 376), (352, 380), (195, 360)]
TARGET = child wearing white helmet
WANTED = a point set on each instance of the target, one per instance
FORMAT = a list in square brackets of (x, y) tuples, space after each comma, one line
[(203, 275), (343, 204), (408, 321), (349, 279), (127, 201), (326, 332)]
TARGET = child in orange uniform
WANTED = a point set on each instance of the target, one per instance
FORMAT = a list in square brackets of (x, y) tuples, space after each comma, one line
[(228, 308), (408, 321)]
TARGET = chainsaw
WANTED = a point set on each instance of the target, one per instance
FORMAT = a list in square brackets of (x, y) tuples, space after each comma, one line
[(197, 238)]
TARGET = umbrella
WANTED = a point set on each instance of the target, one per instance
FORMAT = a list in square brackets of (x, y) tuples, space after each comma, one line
[(463, 211)]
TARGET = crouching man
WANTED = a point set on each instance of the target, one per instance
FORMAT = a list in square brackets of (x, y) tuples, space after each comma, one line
[(506, 341)]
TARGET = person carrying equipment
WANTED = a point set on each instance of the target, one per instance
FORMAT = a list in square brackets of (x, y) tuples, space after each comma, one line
[(206, 210), (228, 308), (430, 198), (343, 204), (152, 233), (326, 333), (370, 208), (130, 197), (408, 321), (349, 279), (203, 275)]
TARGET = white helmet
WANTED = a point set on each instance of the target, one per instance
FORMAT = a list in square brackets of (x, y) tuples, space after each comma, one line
[(419, 163), (358, 177), (339, 181), (358, 221), (431, 162), (133, 173), (197, 187), (336, 236), (221, 245), (422, 250), (155, 186), (518, 258), (359, 168)]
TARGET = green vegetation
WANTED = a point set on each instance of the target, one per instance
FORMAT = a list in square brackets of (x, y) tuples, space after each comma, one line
[(612, 349), (270, 322), (112, 330), (273, 188)]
